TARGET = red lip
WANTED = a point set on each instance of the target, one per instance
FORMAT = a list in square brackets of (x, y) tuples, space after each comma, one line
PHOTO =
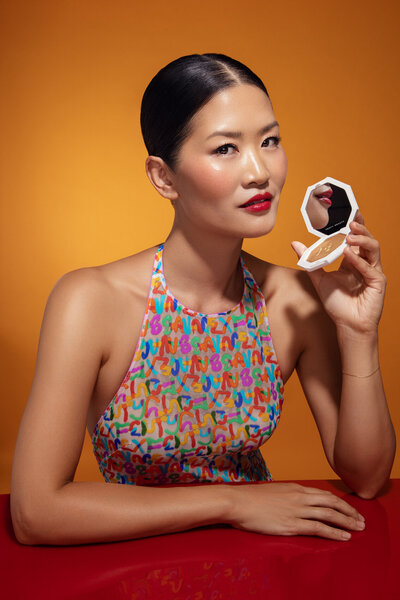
[(325, 201), (258, 207), (257, 198), (326, 194)]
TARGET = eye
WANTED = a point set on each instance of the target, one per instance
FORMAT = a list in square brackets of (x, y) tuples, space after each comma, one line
[(275, 139), (224, 149)]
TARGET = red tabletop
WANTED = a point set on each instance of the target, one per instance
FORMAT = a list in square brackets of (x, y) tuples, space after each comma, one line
[(215, 563)]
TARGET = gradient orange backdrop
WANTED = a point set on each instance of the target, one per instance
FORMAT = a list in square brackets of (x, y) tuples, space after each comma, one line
[(73, 187)]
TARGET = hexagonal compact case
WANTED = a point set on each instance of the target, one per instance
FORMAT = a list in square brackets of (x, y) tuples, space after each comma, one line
[(328, 208)]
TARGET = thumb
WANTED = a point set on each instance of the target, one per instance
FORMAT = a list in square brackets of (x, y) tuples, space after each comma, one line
[(316, 275), (299, 248)]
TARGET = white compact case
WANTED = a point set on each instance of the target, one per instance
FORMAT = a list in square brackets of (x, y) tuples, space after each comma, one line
[(328, 208)]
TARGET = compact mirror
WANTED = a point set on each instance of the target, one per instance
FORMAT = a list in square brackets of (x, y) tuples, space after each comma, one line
[(328, 208)]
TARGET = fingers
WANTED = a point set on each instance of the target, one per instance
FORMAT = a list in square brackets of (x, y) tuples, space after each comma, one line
[(323, 498), (292, 509), (306, 527), (330, 515), (359, 218), (359, 227), (327, 499), (367, 243), (324, 508), (363, 254), (369, 248), (316, 275), (373, 276), (299, 248)]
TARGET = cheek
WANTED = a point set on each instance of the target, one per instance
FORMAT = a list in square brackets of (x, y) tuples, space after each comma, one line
[(281, 166), (209, 181)]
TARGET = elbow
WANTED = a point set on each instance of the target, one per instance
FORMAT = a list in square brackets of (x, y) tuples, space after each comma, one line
[(24, 537), (367, 489), (23, 524), (371, 490), (375, 485), (367, 493), (27, 524), (363, 485), (370, 479)]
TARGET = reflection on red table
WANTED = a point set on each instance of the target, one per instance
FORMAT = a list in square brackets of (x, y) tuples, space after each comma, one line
[(215, 563)]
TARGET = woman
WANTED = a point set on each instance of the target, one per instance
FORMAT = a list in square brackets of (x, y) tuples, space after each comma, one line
[(202, 370)]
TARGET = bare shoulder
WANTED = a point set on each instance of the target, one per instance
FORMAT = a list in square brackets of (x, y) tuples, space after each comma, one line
[(97, 286), (98, 298), (291, 287)]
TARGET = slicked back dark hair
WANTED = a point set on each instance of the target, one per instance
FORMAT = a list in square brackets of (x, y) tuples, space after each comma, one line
[(178, 91)]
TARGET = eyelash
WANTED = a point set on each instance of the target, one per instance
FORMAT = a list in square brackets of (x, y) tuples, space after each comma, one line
[(277, 139)]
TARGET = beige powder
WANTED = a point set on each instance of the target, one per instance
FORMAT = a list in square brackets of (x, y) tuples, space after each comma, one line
[(326, 247)]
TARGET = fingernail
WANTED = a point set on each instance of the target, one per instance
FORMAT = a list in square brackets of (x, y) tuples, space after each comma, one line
[(361, 518), (346, 535), (360, 525)]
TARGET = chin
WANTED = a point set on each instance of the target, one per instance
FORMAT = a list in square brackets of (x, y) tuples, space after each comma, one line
[(259, 229), (256, 234)]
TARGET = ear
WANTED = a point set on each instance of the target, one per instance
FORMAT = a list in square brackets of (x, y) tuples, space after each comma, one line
[(161, 177)]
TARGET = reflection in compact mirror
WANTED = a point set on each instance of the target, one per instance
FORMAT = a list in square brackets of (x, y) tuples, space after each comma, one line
[(328, 208)]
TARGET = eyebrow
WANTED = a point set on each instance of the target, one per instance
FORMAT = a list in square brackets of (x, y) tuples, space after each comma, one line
[(238, 134)]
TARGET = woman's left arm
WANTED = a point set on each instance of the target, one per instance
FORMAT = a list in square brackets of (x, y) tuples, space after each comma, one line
[(339, 366)]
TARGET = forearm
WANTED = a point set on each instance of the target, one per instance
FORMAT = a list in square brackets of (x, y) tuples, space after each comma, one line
[(90, 512), (365, 440)]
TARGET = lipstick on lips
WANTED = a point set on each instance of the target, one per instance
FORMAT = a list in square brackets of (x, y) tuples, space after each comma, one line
[(325, 197), (258, 203)]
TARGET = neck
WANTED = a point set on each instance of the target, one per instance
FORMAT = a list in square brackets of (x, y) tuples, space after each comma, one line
[(204, 271)]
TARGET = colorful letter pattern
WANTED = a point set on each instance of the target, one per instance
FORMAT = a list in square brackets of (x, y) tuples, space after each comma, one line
[(202, 394)]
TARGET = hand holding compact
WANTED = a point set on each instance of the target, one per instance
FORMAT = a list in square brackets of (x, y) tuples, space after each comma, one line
[(353, 295)]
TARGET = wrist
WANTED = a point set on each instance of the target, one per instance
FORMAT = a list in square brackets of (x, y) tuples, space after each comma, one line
[(235, 496), (227, 503), (347, 336), (362, 376), (359, 353)]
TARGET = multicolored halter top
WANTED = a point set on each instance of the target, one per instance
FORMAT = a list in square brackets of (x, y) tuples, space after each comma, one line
[(202, 394)]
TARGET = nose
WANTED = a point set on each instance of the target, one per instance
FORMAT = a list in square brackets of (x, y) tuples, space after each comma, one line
[(255, 169)]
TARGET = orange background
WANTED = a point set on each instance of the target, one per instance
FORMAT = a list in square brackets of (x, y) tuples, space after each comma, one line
[(73, 187)]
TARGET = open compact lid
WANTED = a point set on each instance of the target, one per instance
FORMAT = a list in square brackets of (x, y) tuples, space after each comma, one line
[(328, 208)]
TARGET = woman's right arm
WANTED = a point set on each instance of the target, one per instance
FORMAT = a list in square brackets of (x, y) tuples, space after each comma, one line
[(48, 507)]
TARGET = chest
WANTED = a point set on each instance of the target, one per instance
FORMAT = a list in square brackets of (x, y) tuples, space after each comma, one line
[(214, 356), (198, 389)]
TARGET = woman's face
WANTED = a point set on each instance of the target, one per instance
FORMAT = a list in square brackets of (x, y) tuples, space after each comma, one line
[(318, 205), (232, 155)]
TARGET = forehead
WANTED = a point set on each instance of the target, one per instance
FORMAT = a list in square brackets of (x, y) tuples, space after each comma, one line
[(241, 107)]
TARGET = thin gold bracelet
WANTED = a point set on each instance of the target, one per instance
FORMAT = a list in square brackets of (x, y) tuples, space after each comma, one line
[(361, 376)]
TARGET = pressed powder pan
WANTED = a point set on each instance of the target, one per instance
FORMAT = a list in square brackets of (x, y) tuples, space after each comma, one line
[(328, 208)]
